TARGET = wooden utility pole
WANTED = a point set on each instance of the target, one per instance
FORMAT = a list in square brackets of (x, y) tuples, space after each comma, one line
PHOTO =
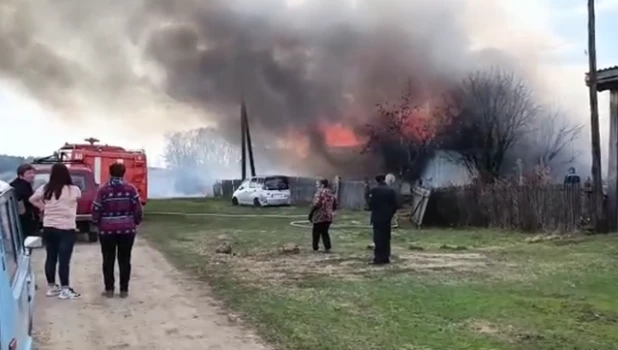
[(244, 116), (598, 214), (245, 145)]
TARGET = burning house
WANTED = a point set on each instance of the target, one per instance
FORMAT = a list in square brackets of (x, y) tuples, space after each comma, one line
[(311, 73)]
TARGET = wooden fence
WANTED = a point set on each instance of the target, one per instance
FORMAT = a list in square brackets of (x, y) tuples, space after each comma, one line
[(526, 208), (351, 193)]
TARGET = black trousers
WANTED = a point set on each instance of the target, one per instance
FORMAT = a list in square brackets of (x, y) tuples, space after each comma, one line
[(29, 227), (382, 242), (116, 246), (320, 230), (59, 248)]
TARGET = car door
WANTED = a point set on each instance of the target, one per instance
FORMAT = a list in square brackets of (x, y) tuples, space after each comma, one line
[(16, 296), (254, 189), (9, 270), (22, 283), (241, 193)]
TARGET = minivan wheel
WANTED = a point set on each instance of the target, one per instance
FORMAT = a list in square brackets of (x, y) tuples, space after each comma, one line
[(93, 237), (256, 202), (234, 201)]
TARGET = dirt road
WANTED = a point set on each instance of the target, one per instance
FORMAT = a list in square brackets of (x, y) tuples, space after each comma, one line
[(164, 311)]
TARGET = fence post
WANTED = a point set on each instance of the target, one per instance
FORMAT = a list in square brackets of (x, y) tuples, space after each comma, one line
[(336, 183)]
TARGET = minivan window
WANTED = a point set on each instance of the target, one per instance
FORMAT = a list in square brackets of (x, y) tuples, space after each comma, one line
[(8, 242), (276, 183)]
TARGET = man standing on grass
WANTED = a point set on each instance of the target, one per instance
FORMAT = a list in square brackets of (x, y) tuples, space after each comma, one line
[(117, 211), (383, 206)]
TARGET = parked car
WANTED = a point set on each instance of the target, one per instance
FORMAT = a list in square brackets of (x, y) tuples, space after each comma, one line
[(262, 191), (17, 283)]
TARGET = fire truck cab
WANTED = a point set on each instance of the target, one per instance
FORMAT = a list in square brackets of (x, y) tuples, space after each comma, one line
[(88, 164)]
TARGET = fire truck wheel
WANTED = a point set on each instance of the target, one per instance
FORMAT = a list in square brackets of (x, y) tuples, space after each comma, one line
[(93, 237), (234, 201)]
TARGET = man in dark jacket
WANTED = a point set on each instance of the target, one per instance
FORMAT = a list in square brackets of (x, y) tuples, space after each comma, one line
[(572, 178), (28, 214), (383, 206)]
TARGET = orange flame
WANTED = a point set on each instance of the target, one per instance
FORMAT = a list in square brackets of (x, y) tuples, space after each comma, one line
[(338, 135), (419, 125)]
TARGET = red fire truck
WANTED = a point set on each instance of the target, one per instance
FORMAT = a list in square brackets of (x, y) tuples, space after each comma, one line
[(89, 164)]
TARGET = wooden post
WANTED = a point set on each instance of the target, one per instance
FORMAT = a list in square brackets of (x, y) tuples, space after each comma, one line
[(337, 188), (612, 171), (597, 184), (247, 135), (612, 164)]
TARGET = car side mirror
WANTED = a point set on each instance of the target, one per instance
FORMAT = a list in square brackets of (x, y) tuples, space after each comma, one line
[(32, 242)]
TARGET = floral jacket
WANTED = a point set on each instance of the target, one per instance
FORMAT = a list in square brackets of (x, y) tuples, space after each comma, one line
[(325, 204)]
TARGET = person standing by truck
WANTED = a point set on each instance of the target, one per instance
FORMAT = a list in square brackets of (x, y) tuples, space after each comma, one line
[(28, 213), (117, 211), (58, 201)]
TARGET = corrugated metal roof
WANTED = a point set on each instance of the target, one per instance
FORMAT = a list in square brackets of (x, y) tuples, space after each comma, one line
[(607, 69), (607, 79)]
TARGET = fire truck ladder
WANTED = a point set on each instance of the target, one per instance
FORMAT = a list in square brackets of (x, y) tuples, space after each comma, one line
[(55, 158)]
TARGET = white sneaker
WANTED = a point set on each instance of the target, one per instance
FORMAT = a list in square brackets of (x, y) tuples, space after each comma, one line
[(68, 294), (53, 291)]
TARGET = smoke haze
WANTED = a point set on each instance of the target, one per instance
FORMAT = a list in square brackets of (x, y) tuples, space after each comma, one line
[(166, 64)]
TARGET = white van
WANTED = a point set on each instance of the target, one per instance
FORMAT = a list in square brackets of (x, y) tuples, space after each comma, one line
[(17, 286), (262, 191)]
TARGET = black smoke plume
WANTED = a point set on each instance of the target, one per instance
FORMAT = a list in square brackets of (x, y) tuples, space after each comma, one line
[(161, 63)]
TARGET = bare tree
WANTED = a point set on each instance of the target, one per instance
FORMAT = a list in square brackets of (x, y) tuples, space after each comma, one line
[(179, 151), (198, 148), (495, 110), (552, 136), (198, 158), (404, 134)]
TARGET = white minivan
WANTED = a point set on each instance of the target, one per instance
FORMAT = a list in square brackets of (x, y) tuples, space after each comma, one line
[(17, 282), (262, 191)]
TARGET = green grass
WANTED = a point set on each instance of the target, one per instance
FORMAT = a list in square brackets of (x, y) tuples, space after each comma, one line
[(499, 293), (199, 205)]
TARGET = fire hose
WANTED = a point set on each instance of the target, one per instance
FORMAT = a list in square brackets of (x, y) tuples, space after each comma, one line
[(296, 223)]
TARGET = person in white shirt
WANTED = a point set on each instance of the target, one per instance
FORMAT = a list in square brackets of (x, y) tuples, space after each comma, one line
[(57, 200)]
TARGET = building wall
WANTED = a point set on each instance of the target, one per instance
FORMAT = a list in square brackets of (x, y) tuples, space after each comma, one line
[(445, 169)]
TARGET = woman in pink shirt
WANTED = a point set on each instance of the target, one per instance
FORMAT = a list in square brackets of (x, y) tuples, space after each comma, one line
[(57, 200)]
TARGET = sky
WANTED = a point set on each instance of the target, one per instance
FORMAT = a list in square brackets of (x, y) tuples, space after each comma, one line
[(31, 129)]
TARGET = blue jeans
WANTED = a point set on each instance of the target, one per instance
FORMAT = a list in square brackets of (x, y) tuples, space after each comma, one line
[(59, 246)]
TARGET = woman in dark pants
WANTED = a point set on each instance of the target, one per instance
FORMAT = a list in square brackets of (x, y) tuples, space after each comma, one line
[(58, 202), (322, 212)]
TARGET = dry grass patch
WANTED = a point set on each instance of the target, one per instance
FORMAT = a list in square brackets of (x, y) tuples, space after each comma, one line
[(502, 332), (273, 267)]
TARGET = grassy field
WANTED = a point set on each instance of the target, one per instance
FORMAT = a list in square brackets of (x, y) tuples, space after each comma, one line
[(446, 290)]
